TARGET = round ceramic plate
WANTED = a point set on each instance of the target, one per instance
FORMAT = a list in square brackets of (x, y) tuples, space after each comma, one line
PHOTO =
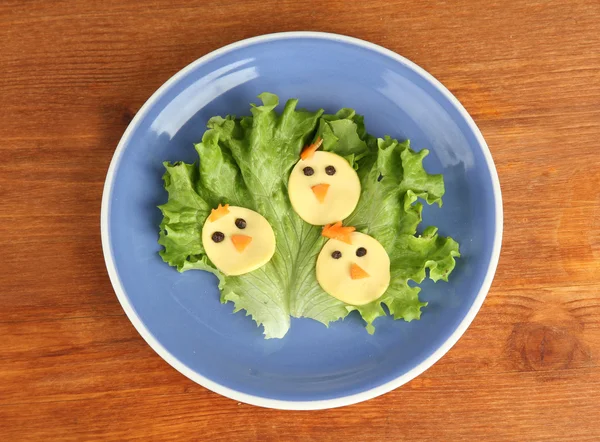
[(180, 315)]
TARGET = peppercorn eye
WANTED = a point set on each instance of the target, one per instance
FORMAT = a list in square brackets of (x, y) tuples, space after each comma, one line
[(330, 170), (240, 223), (336, 255), (218, 236), (308, 171), (361, 251)]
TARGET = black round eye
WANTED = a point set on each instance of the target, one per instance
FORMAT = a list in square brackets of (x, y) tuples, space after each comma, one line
[(361, 251), (308, 171), (330, 170), (218, 236), (240, 223), (336, 255)]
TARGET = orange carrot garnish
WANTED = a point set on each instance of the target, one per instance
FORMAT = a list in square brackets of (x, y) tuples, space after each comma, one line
[(310, 150), (320, 191), (240, 242), (357, 272), (219, 212), (336, 231)]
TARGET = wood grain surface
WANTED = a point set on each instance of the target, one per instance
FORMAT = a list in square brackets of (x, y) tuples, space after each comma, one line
[(73, 74)]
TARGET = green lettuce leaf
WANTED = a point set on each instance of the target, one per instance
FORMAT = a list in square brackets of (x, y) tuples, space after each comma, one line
[(246, 162)]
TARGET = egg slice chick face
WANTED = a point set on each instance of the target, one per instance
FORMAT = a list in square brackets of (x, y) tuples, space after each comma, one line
[(237, 240), (323, 188), (356, 273)]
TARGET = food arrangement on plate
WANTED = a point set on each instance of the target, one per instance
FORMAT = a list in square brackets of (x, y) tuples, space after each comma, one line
[(269, 210), (305, 214)]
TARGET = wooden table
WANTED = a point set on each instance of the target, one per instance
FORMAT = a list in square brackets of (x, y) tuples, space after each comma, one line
[(72, 75)]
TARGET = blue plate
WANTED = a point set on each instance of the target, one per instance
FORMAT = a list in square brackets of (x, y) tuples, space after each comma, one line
[(180, 315)]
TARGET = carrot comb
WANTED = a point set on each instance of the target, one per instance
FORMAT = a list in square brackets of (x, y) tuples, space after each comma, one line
[(219, 212), (310, 150), (337, 231)]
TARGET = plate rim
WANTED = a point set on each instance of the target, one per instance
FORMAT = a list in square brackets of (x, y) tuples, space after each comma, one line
[(307, 404)]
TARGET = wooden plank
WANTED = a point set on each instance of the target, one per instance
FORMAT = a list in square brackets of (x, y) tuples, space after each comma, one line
[(506, 406)]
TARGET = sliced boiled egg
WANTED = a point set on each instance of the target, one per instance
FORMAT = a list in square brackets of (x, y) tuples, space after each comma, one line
[(237, 240), (352, 267), (323, 188)]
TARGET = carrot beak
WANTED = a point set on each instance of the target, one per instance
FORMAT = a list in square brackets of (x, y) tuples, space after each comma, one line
[(356, 272), (320, 191), (240, 242)]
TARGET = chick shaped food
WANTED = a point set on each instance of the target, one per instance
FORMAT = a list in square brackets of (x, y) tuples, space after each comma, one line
[(237, 240), (352, 267), (323, 187)]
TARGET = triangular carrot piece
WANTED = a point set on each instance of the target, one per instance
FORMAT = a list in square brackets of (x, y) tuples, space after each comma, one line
[(357, 272), (310, 150), (240, 242), (336, 231), (219, 212), (320, 191)]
